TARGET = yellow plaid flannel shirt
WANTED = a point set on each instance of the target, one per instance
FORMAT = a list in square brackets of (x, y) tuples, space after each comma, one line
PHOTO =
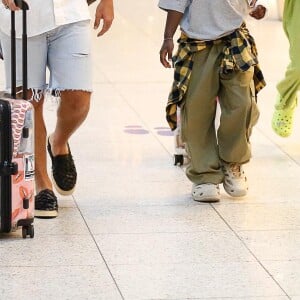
[(239, 53)]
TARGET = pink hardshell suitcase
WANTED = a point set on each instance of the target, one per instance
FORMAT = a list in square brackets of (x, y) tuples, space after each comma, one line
[(16, 149)]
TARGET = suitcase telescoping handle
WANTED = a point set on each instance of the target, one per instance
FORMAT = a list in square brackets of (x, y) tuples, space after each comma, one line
[(24, 6)]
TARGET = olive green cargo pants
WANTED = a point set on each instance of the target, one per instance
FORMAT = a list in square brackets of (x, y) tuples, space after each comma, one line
[(206, 146), (290, 85)]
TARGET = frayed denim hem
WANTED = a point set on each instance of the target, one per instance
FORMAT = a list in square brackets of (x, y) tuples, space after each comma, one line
[(37, 93), (57, 92)]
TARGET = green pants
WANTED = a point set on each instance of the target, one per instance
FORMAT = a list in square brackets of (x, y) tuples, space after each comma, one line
[(290, 85), (239, 113)]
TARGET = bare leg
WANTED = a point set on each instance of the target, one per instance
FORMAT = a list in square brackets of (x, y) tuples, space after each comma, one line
[(41, 176), (72, 111), (45, 200)]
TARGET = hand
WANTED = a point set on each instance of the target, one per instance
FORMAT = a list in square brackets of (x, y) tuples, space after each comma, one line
[(10, 4), (104, 12), (258, 12), (165, 52)]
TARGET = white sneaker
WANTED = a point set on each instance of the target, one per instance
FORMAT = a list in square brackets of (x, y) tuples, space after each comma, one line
[(206, 192), (235, 181)]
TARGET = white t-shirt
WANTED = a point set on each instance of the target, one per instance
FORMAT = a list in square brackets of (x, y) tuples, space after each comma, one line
[(45, 15), (208, 19)]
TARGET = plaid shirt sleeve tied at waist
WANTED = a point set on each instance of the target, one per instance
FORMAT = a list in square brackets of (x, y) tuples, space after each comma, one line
[(239, 53)]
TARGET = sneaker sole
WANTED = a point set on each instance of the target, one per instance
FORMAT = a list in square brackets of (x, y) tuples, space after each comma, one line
[(235, 193), (211, 199), (45, 214)]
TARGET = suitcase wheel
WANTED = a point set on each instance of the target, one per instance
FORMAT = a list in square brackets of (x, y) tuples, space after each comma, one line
[(28, 230), (178, 159)]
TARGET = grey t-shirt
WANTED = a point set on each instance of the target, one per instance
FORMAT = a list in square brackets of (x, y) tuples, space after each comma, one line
[(208, 19)]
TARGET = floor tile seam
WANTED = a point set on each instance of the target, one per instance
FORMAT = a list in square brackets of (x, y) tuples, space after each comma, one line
[(278, 147), (280, 260), (135, 209), (141, 181), (100, 252), (191, 263), (191, 204), (144, 206), (166, 232), (8, 240), (98, 68), (251, 203), (42, 235), (107, 82), (222, 298), (155, 232), (268, 230), (52, 266), (253, 255)]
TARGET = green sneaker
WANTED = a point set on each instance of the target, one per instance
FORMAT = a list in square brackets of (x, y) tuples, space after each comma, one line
[(283, 119)]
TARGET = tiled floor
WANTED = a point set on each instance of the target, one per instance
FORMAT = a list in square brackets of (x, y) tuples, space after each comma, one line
[(131, 230)]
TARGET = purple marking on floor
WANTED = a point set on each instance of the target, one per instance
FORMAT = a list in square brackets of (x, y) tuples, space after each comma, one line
[(136, 131), (133, 126), (162, 128), (165, 133)]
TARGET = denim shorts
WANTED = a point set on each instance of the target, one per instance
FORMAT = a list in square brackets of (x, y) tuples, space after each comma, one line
[(58, 60)]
